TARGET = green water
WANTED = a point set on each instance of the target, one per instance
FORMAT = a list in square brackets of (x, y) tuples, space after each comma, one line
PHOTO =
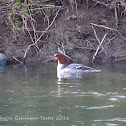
[(32, 96)]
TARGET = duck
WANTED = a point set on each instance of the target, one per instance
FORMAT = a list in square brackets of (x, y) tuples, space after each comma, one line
[(66, 69)]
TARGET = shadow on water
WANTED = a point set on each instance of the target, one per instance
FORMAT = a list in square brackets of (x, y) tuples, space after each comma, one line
[(2, 69), (32, 95)]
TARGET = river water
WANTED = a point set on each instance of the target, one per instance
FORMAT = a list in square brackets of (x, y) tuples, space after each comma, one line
[(32, 96)]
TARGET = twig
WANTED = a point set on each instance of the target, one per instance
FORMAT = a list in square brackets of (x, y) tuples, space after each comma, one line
[(41, 5), (89, 43), (98, 40), (102, 26), (61, 34), (41, 8), (49, 25), (26, 27), (116, 17), (108, 43), (33, 27), (12, 25), (86, 48), (99, 47), (76, 6), (32, 21), (17, 59), (32, 24), (102, 3), (63, 48)]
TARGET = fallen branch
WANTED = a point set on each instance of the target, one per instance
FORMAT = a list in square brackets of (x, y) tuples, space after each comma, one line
[(102, 26), (98, 40), (17, 59), (84, 48), (108, 43), (99, 47)]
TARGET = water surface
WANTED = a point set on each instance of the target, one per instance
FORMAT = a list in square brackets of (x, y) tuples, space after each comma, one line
[(32, 96)]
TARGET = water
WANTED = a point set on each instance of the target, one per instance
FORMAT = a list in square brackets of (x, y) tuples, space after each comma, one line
[(32, 96)]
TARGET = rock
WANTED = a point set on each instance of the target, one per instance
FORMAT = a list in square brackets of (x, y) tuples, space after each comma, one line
[(3, 59)]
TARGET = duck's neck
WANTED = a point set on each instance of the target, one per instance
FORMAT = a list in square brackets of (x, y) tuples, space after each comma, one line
[(60, 67)]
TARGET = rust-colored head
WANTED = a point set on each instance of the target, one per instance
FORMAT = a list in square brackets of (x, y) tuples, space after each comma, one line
[(61, 58)]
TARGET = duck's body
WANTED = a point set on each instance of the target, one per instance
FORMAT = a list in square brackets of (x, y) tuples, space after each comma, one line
[(66, 70)]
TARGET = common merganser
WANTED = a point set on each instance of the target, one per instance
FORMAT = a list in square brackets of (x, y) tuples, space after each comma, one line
[(66, 70)]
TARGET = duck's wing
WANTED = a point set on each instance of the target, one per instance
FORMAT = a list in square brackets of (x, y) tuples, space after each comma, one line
[(79, 66), (82, 67)]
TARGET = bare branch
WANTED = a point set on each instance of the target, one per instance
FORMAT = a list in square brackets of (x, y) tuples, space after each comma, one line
[(98, 40), (17, 59), (41, 34), (99, 47), (102, 26), (116, 17), (108, 43)]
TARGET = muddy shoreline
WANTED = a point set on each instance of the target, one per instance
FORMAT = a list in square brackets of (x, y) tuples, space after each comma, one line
[(85, 31)]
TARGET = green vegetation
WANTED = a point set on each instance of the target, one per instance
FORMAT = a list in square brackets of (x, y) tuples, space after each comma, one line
[(20, 14), (16, 13)]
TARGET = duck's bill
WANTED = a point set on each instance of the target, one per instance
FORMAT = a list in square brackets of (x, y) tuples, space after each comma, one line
[(52, 57)]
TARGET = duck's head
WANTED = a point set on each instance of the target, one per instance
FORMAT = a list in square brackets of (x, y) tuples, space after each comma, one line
[(62, 59)]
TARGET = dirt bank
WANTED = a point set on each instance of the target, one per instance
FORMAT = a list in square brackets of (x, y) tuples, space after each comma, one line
[(87, 31)]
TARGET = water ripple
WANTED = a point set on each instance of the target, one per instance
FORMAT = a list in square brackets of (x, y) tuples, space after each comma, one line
[(101, 107), (96, 93), (9, 91), (113, 99), (120, 96), (80, 106), (106, 124), (112, 120), (34, 96), (10, 99)]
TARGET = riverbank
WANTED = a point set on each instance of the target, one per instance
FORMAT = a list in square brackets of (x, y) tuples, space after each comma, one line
[(88, 31)]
